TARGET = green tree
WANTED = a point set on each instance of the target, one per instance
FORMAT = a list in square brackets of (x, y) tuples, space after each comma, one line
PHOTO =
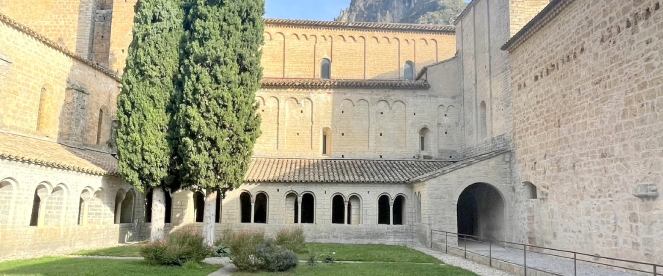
[(217, 120), (145, 104)]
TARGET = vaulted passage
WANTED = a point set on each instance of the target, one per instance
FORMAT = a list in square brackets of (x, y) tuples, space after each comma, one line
[(338, 209), (308, 208), (480, 212)]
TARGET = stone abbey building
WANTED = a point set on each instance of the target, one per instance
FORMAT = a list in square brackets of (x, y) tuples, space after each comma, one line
[(528, 120)]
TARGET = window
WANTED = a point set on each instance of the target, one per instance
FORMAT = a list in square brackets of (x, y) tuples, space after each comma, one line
[(383, 210), (325, 69), (199, 206), (168, 202), (260, 212), (338, 209), (326, 141), (83, 206), (245, 207), (308, 208), (37, 205), (100, 124), (423, 139), (530, 190), (354, 210), (408, 70), (483, 132), (399, 205)]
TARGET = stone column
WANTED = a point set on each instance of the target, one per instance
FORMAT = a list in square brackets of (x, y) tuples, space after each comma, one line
[(253, 210), (391, 212), (158, 214), (345, 209), (299, 209)]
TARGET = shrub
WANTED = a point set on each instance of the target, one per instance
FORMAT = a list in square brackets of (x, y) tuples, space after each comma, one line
[(292, 239), (275, 257), (180, 248), (243, 247)]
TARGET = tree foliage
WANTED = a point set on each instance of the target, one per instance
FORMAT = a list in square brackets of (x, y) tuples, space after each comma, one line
[(148, 87), (220, 72)]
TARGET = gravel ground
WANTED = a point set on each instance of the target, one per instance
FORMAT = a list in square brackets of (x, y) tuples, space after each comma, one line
[(461, 262)]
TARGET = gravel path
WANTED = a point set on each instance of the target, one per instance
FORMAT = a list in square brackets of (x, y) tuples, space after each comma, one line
[(461, 262)]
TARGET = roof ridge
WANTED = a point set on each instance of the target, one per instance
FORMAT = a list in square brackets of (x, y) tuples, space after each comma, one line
[(364, 25)]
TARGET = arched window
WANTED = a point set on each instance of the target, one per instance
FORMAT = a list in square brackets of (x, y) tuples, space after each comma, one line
[(6, 195), (424, 139), (326, 141), (219, 199), (245, 207), (530, 190), (338, 209), (383, 210), (308, 208), (83, 206), (354, 210), (40, 193), (483, 129), (119, 197), (408, 70), (199, 206), (148, 205), (325, 69), (399, 206), (100, 125), (127, 211), (168, 204), (291, 208), (260, 212)]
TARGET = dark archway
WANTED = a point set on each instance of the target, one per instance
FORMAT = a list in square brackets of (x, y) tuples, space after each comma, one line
[(169, 207), (399, 207), (199, 206), (217, 215), (308, 208), (338, 209), (383, 210), (480, 212), (245, 207), (148, 205), (260, 212)]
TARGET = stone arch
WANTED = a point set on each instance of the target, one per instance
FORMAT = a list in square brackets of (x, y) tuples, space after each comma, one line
[(198, 206), (127, 207), (308, 207), (245, 206), (119, 197), (338, 208), (55, 206), (86, 196), (261, 208), (530, 190), (425, 140), (8, 189), (291, 208), (267, 36), (41, 194), (480, 212), (384, 209), (398, 212), (354, 209)]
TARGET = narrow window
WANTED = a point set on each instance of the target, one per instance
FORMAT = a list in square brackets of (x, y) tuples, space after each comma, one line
[(245, 207), (483, 131), (326, 141), (399, 204), (338, 209), (260, 212), (325, 69), (100, 124), (199, 206), (408, 70), (308, 208), (383, 210), (324, 144), (423, 139)]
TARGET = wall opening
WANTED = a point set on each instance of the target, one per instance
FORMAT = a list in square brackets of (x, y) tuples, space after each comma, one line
[(338, 209), (168, 202), (260, 212), (83, 206), (424, 139), (100, 125), (354, 210), (245, 207), (217, 207), (325, 69), (199, 206), (291, 208), (408, 70), (326, 141), (480, 212), (36, 205), (119, 196), (383, 210), (483, 123), (308, 208), (127, 210), (399, 207), (530, 190), (148, 205)]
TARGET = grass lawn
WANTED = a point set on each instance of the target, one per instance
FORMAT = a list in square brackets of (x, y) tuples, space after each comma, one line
[(82, 266), (370, 269), (369, 253), (119, 251)]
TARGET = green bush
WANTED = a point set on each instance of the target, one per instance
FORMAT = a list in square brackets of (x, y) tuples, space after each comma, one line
[(243, 249), (179, 249), (292, 239), (274, 257)]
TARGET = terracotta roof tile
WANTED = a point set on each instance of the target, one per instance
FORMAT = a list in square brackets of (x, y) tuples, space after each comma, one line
[(262, 170), (329, 84), (52, 154), (363, 25)]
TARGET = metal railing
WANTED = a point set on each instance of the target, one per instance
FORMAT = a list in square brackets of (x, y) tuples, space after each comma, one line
[(576, 257)]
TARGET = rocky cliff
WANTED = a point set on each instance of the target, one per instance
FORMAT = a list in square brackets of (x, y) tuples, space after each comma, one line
[(402, 11)]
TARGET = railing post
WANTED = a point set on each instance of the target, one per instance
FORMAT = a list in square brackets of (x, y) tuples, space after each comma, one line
[(525, 258), (575, 264), (490, 253), (446, 242)]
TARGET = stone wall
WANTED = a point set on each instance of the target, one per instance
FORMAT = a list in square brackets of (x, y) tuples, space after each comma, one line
[(50, 92), (588, 128)]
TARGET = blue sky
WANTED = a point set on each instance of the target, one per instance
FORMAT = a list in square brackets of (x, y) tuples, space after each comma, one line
[(305, 9)]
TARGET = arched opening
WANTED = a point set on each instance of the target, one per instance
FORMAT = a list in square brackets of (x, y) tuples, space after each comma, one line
[(291, 208), (325, 69), (408, 70), (530, 190), (260, 212), (54, 207), (399, 207), (83, 206), (40, 192), (383, 210), (354, 210), (480, 212), (424, 139), (168, 204), (217, 216), (338, 209), (6, 195), (118, 206), (127, 211), (483, 129), (245, 207), (148, 206), (326, 141), (199, 206), (308, 208)]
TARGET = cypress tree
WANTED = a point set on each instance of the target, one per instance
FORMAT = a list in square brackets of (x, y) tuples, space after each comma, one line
[(217, 119), (145, 104)]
